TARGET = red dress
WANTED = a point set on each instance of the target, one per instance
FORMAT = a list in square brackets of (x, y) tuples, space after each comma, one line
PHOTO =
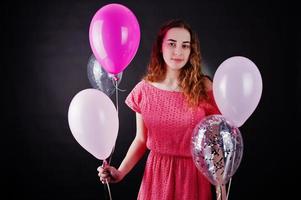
[(170, 173)]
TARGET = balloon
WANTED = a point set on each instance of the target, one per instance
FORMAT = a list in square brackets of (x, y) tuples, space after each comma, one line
[(114, 36), (93, 121), (216, 148), (100, 78), (237, 88)]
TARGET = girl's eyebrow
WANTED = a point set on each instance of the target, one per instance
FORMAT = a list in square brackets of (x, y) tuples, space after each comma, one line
[(172, 40)]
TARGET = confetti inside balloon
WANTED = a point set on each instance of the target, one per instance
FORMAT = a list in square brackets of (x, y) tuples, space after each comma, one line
[(217, 148)]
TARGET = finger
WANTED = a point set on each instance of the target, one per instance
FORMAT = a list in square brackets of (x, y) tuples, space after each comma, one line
[(103, 168), (105, 180), (101, 174), (100, 168), (104, 175)]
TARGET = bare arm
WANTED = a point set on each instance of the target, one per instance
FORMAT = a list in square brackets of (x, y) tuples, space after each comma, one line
[(134, 154), (137, 148)]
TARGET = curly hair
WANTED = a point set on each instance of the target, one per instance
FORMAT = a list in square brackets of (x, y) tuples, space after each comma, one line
[(191, 78)]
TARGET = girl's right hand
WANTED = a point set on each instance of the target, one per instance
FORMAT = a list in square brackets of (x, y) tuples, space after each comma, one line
[(109, 174)]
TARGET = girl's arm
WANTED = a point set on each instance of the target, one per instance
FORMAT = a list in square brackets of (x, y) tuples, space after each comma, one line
[(134, 154)]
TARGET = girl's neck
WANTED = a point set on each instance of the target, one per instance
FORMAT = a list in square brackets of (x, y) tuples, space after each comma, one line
[(172, 76), (171, 82)]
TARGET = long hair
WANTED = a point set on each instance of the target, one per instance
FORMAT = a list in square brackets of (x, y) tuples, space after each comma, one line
[(191, 78)]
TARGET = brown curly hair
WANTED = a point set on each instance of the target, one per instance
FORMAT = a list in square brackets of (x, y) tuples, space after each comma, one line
[(191, 78)]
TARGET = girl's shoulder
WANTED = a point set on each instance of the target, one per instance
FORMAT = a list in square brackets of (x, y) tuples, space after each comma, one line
[(207, 83)]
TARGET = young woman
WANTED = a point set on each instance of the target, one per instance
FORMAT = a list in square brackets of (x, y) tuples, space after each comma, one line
[(170, 100)]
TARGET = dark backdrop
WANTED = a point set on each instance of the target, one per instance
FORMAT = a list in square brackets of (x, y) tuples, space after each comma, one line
[(45, 55)]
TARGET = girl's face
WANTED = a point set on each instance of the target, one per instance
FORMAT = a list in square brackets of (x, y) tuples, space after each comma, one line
[(176, 48)]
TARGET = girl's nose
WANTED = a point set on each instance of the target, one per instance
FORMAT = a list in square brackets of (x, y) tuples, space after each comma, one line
[(177, 51)]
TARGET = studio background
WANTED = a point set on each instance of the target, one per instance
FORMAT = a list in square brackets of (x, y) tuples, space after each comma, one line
[(44, 64)]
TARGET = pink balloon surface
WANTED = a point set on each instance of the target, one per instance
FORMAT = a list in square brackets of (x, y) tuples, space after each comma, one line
[(114, 36), (93, 121), (237, 88)]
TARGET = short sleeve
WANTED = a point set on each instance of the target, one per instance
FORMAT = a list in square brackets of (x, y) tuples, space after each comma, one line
[(133, 100), (211, 107)]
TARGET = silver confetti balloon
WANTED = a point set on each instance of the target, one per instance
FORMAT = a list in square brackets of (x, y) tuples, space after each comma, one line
[(217, 149), (100, 79)]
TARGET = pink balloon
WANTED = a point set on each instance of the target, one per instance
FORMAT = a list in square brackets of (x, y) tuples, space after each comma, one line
[(237, 88), (93, 121), (114, 36)]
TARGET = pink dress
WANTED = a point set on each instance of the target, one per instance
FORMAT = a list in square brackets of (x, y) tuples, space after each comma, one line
[(170, 173)]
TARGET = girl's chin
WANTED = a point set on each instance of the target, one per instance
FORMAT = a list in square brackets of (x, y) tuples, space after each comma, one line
[(176, 67)]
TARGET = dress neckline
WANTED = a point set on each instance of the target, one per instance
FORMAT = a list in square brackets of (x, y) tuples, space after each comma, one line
[(160, 89)]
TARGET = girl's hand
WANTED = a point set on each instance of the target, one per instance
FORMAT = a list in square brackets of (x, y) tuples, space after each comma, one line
[(109, 174)]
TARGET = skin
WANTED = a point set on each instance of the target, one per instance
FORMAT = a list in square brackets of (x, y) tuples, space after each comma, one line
[(176, 50)]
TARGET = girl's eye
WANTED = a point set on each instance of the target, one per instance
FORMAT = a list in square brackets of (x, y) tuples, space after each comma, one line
[(171, 44), (186, 46)]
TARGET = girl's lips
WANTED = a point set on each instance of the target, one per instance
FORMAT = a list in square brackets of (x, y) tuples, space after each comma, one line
[(177, 59)]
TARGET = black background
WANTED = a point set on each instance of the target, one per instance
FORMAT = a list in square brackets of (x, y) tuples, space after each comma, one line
[(45, 55)]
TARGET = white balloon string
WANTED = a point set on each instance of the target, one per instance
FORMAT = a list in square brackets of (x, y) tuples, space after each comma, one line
[(104, 163), (232, 166), (109, 191), (110, 158), (221, 192), (120, 89), (229, 186), (115, 79), (115, 82), (223, 187), (218, 193)]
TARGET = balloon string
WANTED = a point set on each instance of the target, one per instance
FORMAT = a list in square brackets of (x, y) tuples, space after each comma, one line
[(115, 82), (109, 191), (229, 186), (233, 160), (218, 193), (106, 182), (221, 192), (117, 88), (116, 91), (110, 158)]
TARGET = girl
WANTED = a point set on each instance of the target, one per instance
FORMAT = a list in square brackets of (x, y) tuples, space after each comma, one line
[(170, 100)]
